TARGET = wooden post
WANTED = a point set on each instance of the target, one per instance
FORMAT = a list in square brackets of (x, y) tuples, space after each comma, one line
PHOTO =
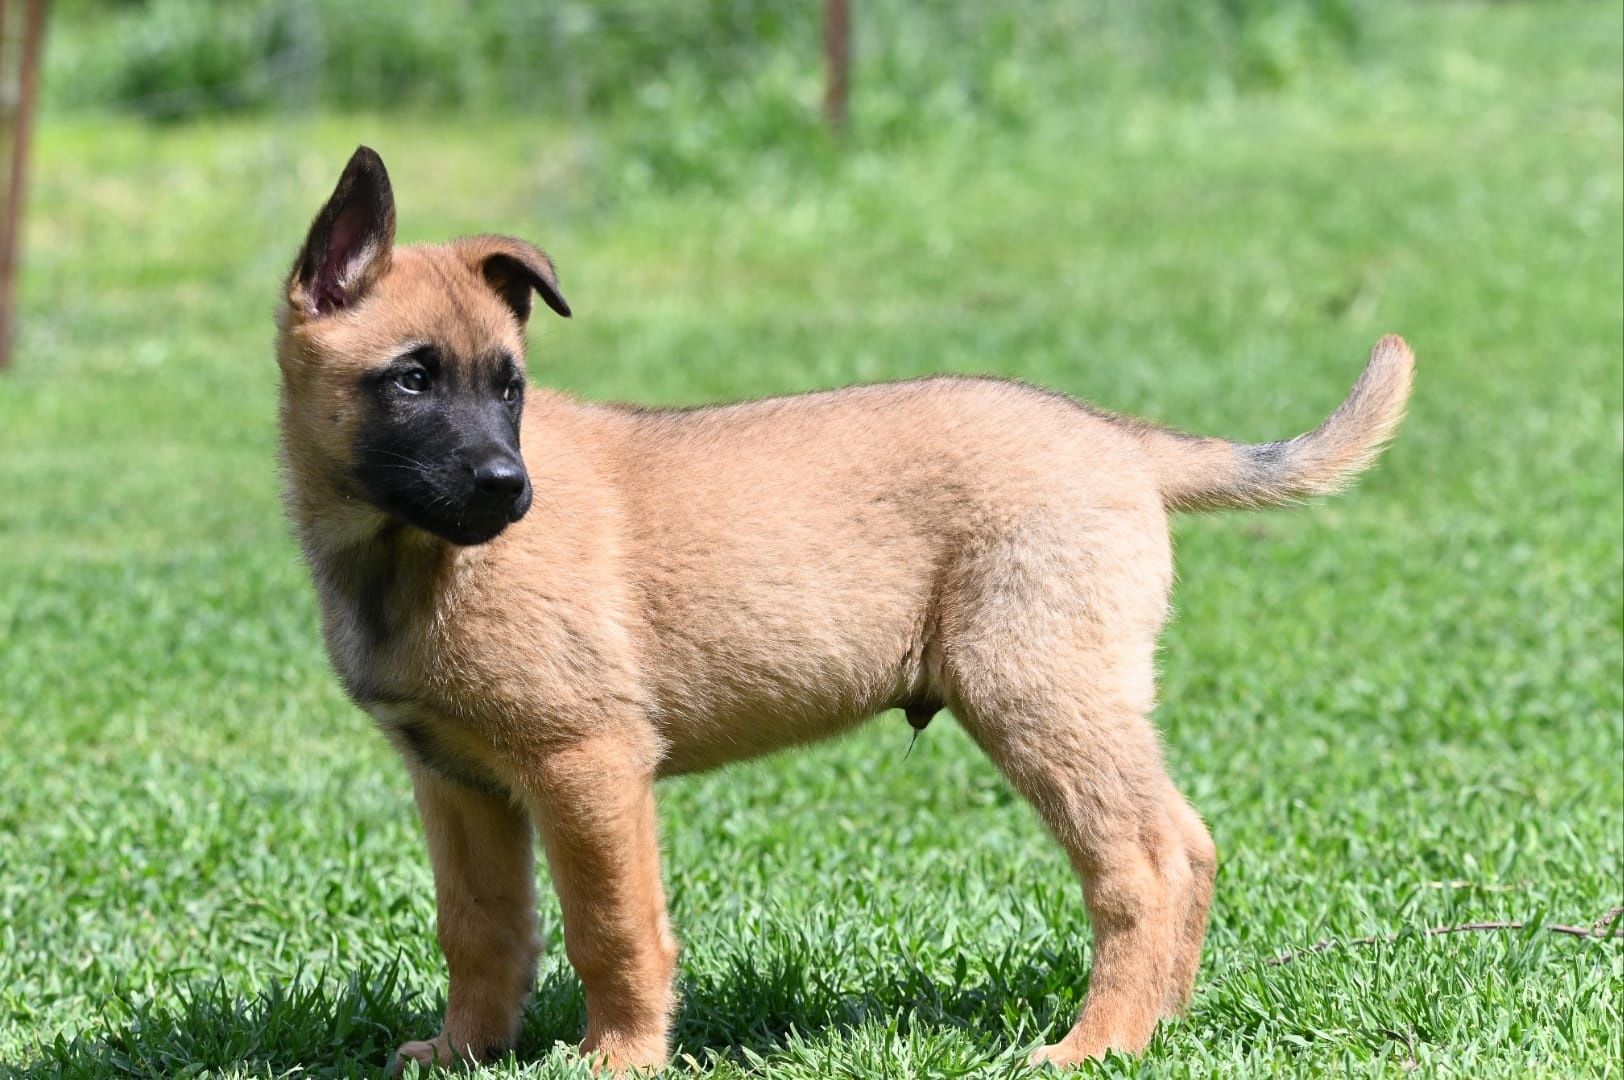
[(16, 125), (837, 54)]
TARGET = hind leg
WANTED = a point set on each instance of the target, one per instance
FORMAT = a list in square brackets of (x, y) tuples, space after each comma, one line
[(1095, 777), (1048, 635), (1051, 666), (1203, 858)]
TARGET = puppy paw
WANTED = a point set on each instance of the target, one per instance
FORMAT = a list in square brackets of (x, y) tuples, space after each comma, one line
[(431, 1054), (1062, 1056), (1044, 1055), (625, 1057)]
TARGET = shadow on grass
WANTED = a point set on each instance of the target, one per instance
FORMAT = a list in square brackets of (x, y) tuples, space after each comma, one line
[(315, 1027), (311, 1025), (754, 1005)]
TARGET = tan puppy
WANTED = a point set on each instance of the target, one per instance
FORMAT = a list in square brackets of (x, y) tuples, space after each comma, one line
[(693, 587)]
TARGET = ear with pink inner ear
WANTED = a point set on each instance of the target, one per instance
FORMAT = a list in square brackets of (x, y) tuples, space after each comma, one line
[(350, 241)]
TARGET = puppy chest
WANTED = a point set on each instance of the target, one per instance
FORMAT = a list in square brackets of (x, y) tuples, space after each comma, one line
[(368, 663), (443, 749)]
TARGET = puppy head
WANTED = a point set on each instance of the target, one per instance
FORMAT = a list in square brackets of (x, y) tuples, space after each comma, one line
[(403, 369)]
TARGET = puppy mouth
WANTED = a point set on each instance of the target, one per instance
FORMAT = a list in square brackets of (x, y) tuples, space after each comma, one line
[(468, 524), (476, 524), (471, 535)]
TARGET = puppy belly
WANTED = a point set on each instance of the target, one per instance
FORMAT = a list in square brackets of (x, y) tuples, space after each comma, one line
[(711, 722)]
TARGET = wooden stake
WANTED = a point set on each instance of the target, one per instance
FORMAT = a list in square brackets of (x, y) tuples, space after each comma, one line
[(837, 54), (17, 125)]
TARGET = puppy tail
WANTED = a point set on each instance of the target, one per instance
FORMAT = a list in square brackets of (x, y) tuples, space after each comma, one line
[(1197, 473)]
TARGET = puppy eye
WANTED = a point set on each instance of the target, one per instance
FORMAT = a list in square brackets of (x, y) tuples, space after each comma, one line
[(512, 390), (414, 381)]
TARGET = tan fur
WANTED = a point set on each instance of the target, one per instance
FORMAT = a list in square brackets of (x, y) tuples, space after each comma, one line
[(696, 587)]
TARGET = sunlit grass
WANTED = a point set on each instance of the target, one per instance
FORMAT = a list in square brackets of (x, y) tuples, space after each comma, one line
[(1399, 709)]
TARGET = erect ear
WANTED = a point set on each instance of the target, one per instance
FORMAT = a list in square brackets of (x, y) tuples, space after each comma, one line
[(349, 245), (515, 269)]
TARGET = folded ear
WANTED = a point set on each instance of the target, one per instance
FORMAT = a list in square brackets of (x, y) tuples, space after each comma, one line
[(515, 269), (349, 245)]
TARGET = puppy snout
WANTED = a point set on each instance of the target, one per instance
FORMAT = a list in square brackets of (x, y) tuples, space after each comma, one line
[(499, 478)]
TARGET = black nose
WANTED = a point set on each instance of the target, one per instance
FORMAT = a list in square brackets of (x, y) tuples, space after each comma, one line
[(500, 476)]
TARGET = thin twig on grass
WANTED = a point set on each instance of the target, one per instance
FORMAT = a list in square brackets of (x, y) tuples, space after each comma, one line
[(1476, 885), (1605, 927)]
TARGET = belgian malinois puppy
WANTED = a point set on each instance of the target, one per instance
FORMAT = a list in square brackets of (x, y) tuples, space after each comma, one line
[(548, 604)]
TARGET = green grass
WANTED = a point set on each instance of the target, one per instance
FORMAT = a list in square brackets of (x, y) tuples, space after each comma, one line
[(1399, 709)]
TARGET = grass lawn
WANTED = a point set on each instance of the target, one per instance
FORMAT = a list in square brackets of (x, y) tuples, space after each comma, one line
[(1400, 709)]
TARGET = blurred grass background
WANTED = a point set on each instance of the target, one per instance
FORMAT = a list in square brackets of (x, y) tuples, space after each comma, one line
[(177, 59), (1399, 709)]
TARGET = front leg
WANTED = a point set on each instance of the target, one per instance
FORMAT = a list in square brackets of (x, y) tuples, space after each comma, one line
[(481, 847), (594, 805)]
